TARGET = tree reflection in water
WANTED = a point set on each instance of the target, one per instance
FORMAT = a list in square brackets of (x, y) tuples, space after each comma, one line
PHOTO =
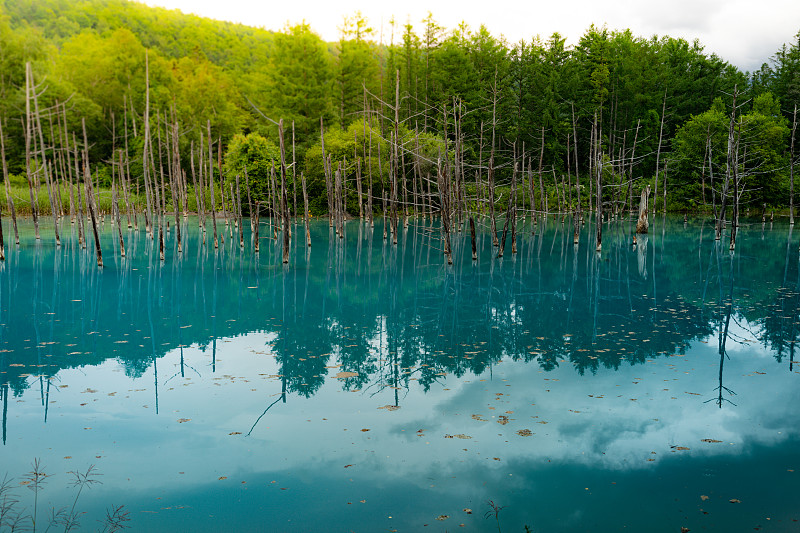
[(390, 314)]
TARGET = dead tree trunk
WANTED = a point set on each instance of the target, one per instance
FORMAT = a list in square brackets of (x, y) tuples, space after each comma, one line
[(730, 163), (148, 219), (2, 243), (284, 199), (249, 198), (736, 190), (577, 172), (115, 207), (472, 238), (791, 166), (239, 213), (598, 165), (29, 88), (176, 183), (542, 197), (513, 201), (326, 168), (256, 225), (490, 174), (90, 206), (642, 224), (305, 209), (658, 151), (395, 157), (444, 200), (7, 183), (211, 183), (81, 228)]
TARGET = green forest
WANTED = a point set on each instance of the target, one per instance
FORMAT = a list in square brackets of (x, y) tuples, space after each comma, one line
[(635, 111)]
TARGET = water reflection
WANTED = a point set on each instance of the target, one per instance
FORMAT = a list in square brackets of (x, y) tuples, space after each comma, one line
[(393, 315), (365, 368)]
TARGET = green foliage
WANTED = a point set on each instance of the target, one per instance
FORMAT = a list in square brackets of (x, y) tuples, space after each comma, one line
[(253, 158), (700, 151), (90, 54), (357, 68), (299, 81)]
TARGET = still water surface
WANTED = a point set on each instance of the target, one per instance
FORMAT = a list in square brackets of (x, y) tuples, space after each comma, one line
[(371, 387)]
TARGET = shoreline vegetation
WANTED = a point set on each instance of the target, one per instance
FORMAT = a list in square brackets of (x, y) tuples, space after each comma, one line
[(114, 108)]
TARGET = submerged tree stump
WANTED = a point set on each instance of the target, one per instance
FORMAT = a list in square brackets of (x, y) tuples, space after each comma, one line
[(642, 225)]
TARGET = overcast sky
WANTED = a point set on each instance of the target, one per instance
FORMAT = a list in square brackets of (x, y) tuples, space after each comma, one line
[(743, 32)]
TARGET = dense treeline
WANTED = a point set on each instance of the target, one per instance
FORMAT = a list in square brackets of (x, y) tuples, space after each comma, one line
[(635, 111)]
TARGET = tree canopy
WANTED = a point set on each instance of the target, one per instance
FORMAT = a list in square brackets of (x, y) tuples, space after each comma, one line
[(90, 56)]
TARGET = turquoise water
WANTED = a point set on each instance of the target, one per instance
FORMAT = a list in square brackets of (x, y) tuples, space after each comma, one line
[(372, 387)]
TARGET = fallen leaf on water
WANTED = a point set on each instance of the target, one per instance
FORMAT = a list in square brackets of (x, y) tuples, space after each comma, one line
[(442, 517), (468, 510), (734, 500), (703, 497), (365, 429), (479, 417), (220, 478), (503, 420), (710, 440), (182, 420), (343, 375), (347, 466), (390, 407), (682, 448), (524, 433), (235, 433)]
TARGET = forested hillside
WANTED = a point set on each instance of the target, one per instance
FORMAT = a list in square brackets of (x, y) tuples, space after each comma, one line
[(634, 110)]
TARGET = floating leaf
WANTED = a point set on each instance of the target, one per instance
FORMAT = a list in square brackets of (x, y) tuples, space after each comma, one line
[(442, 517), (390, 407), (182, 420), (703, 497), (524, 433), (343, 375), (468, 510), (734, 500), (710, 440), (235, 433)]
